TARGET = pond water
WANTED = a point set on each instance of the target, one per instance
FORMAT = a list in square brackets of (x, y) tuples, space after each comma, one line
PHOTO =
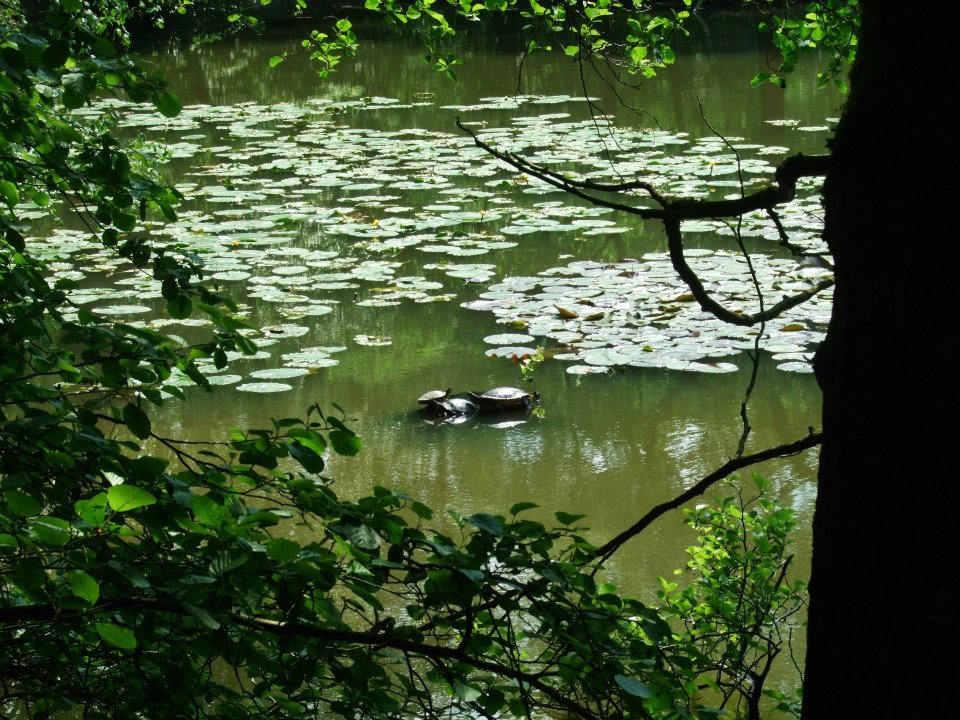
[(364, 231)]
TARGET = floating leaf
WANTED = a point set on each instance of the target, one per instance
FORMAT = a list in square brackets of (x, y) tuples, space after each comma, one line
[(264, 387), (372, 340), (587, 370), (507, 338), (279, 373)]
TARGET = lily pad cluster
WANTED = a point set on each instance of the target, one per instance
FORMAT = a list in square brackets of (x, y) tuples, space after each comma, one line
[(300, 208), (639, 313)]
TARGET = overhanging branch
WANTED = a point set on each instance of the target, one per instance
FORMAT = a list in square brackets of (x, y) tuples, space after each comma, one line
[(787, 174), (674, 210), (603, 552), (700, 294)]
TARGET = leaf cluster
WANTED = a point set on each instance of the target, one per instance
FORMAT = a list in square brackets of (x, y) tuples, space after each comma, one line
[(830, 25)]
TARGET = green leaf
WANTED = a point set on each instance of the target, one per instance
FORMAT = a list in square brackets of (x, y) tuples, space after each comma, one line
[(310, 460), (282, 550), (344, 442), (486, 522), (22, 504), (51, 531), (521, 506), (117, 635), (180, 307), (567, 518), (29, 575), (421, 510), (476, 576), (125, 221), (9, 193), (15, 239), (124, 498), (634, 687), (360, 535), (168, 104), (84, 586), (275, 60), (209, 511), (202, 616), (136, 421), (92, 510), (467, 693)]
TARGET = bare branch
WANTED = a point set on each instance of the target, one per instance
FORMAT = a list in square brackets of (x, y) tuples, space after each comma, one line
[(687, 274), (603, 552), (787, 173)]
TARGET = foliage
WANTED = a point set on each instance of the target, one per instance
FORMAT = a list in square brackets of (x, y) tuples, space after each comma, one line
[(627, 36), (741, 609), (528, 364), (833, 25), (156, 576), (631, 38)]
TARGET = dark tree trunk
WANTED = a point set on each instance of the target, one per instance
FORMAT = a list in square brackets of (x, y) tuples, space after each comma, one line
[(883, 633)]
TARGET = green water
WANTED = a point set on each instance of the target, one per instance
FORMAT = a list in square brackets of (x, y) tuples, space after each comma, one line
[(611, 445)]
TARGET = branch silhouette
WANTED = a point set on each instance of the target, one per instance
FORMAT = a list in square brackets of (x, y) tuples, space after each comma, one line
[(604, 552), (672, 211)]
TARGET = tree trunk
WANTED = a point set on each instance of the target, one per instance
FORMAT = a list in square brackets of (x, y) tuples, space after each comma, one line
[(883, 633)]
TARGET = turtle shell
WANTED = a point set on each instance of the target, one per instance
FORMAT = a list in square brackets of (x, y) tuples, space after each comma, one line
[(432, 396), (504, 397), (459, 406)]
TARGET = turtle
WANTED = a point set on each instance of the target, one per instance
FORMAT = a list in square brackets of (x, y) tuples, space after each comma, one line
[(505, 398), (430, 397), (458, 407), (450, 411)]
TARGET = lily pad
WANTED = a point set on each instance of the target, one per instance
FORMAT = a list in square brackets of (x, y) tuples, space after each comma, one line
[(511, 352), (224, 379), (279, 373), (264, 387), (372, 340), (507, 338), (587, 370)]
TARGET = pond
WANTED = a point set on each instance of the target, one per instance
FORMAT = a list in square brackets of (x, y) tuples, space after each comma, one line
[(383, 253)]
